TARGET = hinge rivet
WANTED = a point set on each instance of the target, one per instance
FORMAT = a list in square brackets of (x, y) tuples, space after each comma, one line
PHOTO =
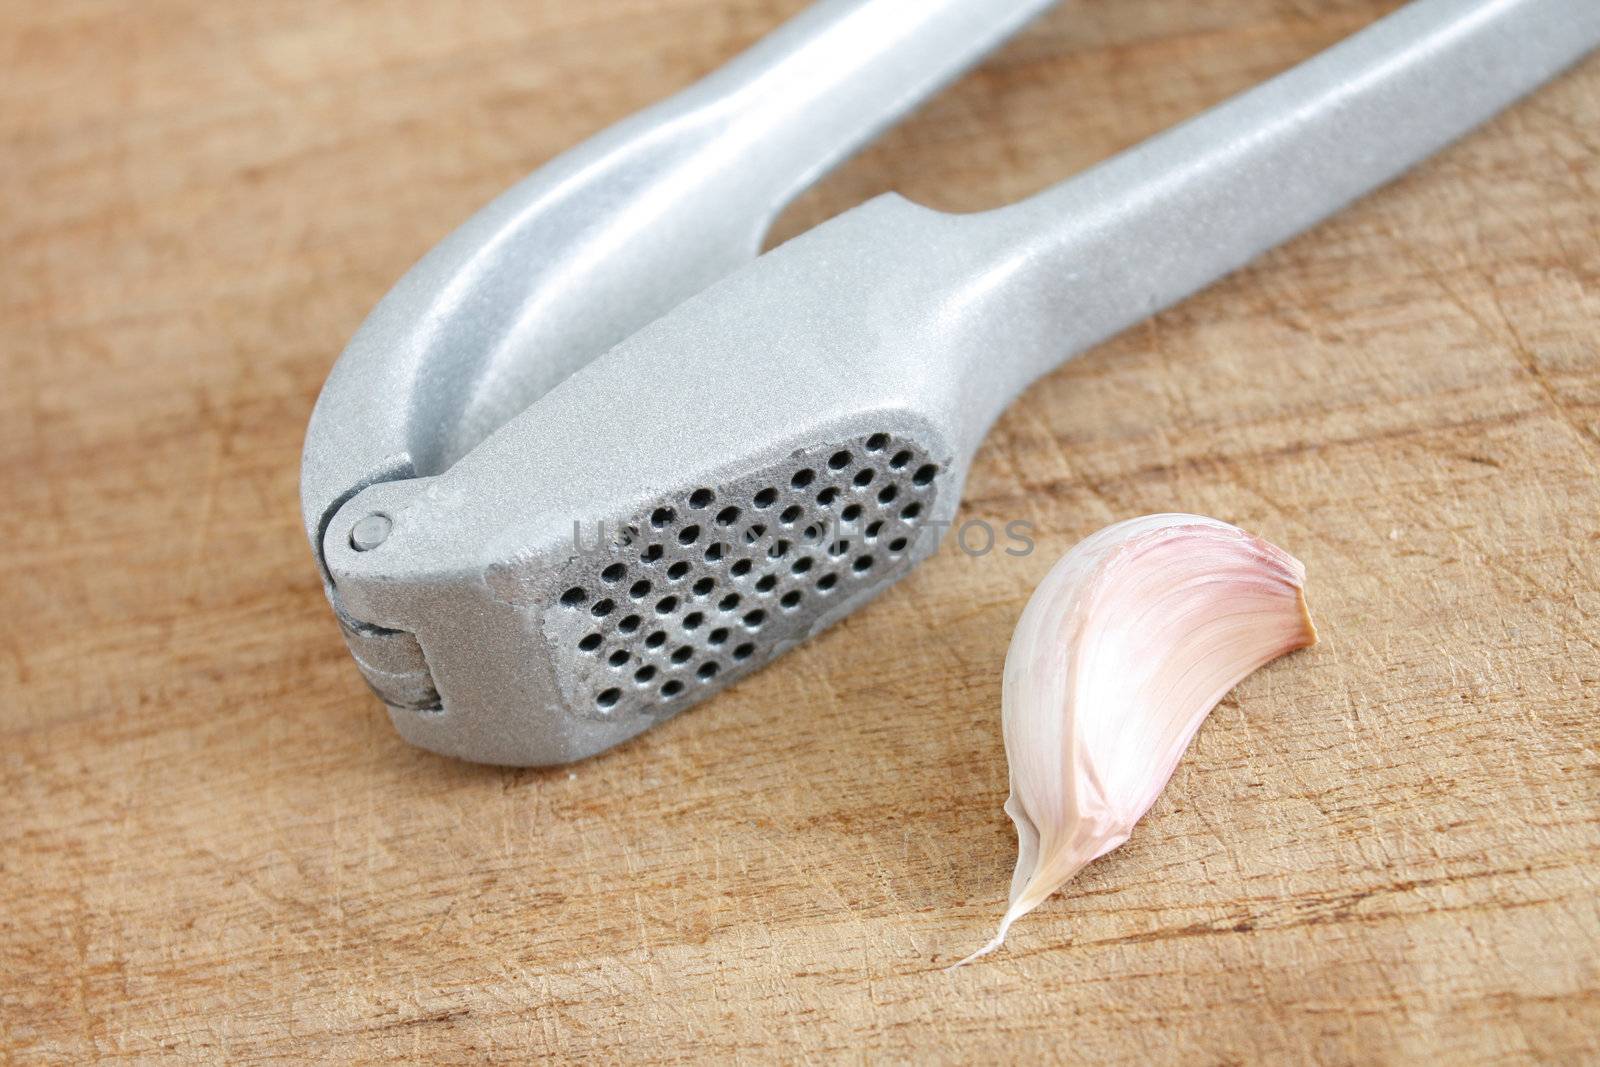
[(370, 532)]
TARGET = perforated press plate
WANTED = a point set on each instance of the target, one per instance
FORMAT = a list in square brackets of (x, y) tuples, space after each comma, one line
[(705, 586)]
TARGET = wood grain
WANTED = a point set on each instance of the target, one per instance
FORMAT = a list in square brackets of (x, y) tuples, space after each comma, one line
[(213, 847)]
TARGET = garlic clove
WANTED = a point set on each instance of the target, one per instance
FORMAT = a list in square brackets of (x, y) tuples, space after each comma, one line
[(1123, 649)]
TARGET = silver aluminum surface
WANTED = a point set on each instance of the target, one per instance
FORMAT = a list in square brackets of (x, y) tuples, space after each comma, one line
[(589, 350)]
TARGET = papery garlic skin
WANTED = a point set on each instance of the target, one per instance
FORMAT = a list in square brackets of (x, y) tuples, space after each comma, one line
[(1124, 648)]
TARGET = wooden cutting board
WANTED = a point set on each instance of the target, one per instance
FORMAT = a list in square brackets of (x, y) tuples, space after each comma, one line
[(212, 845)]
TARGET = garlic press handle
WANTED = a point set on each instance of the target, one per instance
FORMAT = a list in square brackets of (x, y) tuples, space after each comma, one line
[(1086, 259)]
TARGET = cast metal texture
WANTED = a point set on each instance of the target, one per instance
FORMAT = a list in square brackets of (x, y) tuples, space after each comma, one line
[(890, 319), (602, 240)]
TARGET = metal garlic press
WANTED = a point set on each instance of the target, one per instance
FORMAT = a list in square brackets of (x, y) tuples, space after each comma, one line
[(593, 459)]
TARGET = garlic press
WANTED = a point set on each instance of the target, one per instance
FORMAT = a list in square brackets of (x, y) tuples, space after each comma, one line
[(594, 459)]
